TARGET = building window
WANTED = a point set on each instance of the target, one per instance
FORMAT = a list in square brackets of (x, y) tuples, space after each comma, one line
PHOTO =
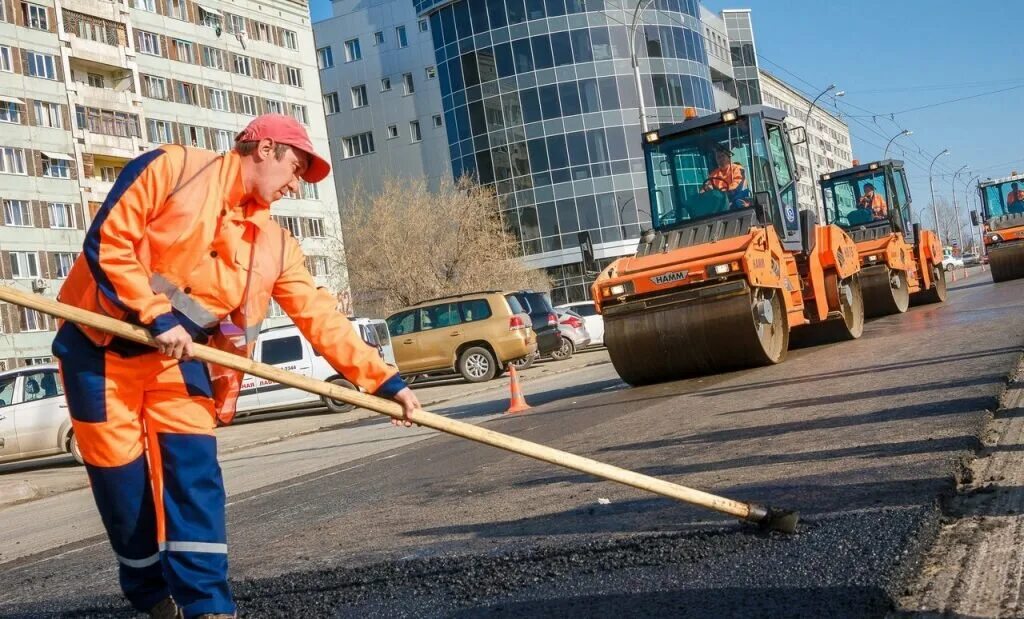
[(317, 265), (309, 191), (194, 136), (12, 160), (6, 65), (109, 173), (243, 65), (268, 71), (410, 87), (145, 5), (184, 51), (56, 167), (35, 16), (62, 215), (221, 140), (159, 131), (315, 226), (437, 121), (31, 320), (10, 112), (94, 79), (213, 58), (357, 145), (294, 77), (414, 131), (237, 24), (218, 100), (423, 25), (17, 213), (331, 103), (24, 264), (188, 93), (385, 84), (352, 51), (291, 41), (324, 57), (176, 9), (392, 132), (209, 18), (299, 113), (156, 87), (248, 104), (431, 72), (107, 122), (403, 39), (149, 43), (41, 65), (48, 115), (291, 224), (273, 106), (378, 37), (64, 261), (262, 32), (359, 98)]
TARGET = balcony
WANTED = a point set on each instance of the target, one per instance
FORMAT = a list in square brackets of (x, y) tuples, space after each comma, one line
[(104, 9), (102, 54), (105, 98), (110, 145)]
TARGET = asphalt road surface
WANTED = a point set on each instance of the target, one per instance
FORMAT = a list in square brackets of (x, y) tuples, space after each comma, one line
[(863, 438)]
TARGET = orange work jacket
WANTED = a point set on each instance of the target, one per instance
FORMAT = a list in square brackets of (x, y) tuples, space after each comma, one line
[(727, 178), (876, 203)]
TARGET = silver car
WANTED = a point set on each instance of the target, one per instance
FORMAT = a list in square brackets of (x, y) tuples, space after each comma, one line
[(34, 419), (573, 330)]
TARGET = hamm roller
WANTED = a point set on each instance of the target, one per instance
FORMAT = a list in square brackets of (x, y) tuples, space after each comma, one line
[(1002, 224), (730, 267), (900, 264)]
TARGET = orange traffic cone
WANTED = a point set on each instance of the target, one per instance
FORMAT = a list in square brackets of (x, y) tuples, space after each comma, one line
[(518, 404)]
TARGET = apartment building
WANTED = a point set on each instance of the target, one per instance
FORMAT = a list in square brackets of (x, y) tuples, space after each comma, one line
[(87, 85)]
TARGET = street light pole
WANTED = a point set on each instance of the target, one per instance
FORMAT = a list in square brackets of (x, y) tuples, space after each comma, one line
[(956, 210), (931, 185), (969, 202), (636, 63), (885, 155), (810, 155)]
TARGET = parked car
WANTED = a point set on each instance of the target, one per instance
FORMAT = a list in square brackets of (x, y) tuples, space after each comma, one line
[(474, 335), (542, 319), (949, 261), (573, 331), (971, 259), (593, 320), (34, 419), (286, 348)]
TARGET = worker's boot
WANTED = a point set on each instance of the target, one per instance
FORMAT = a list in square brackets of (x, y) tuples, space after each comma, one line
[(166, 609)]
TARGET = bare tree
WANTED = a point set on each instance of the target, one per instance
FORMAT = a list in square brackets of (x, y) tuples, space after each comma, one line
[(406, 243), (947, 226)]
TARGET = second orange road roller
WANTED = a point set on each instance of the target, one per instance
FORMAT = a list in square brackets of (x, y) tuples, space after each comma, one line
[(900, 263), (1002, 223), (731, 265)]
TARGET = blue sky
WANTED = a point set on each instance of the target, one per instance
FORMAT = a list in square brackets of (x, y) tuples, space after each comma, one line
[(894, 56)]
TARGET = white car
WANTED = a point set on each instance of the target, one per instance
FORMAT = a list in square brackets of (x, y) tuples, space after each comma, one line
[(286, 348), (594, 321), (950, 262), (34, 419)]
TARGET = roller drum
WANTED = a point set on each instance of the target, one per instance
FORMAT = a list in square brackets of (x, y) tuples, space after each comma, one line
[(1006, 262), (935, 294), (848, 321), (886, 291)]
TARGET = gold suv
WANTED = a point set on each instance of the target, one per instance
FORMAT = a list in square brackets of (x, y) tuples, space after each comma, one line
[(474, 334)]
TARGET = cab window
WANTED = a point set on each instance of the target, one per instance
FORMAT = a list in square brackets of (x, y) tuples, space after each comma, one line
[(281, 350), (439, 316), (402, 324), (474, 310)]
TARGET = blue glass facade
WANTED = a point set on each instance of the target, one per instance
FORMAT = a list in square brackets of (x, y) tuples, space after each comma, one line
[(540, 102)]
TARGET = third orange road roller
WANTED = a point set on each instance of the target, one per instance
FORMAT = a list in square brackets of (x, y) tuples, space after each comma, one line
[(1003, 225), (731, 265), (899, 262)]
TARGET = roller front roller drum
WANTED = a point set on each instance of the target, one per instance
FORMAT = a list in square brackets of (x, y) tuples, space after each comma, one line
[(848, 324), (935, 294), (690, 334), (1006, 262), (886, 291)]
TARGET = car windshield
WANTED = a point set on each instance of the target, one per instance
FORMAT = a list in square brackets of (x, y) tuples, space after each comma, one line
[(702, 173), (1004, 198), (856, 200)]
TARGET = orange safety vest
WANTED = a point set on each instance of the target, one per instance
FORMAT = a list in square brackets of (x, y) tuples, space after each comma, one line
[(876, 203), (727, 178), (178, 241)]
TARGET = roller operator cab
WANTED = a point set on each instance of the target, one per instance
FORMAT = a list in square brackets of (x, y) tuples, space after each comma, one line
[(900, 263), (731, 265), (1002, 223)]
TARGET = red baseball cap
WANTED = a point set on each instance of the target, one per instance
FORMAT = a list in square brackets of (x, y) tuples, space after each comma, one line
[(286, 130)]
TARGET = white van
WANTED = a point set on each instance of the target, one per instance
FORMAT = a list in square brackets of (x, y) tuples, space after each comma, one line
[(286, 348)]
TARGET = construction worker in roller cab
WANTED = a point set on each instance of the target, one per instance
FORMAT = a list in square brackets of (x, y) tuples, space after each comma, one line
[(729, 177), (1015, 199), (184, 246), (873, 202)]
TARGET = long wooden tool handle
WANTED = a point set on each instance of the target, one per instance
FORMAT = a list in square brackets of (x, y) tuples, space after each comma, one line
[(135, 333)]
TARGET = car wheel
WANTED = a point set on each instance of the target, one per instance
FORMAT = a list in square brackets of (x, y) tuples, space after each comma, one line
[(477, 365), (565, 351), (75, 451), (523, 363), (337, 406)]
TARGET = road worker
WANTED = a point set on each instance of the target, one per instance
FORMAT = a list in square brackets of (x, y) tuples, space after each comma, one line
[(1015, 199), (728, 177), (874, 202), (184, 246)]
